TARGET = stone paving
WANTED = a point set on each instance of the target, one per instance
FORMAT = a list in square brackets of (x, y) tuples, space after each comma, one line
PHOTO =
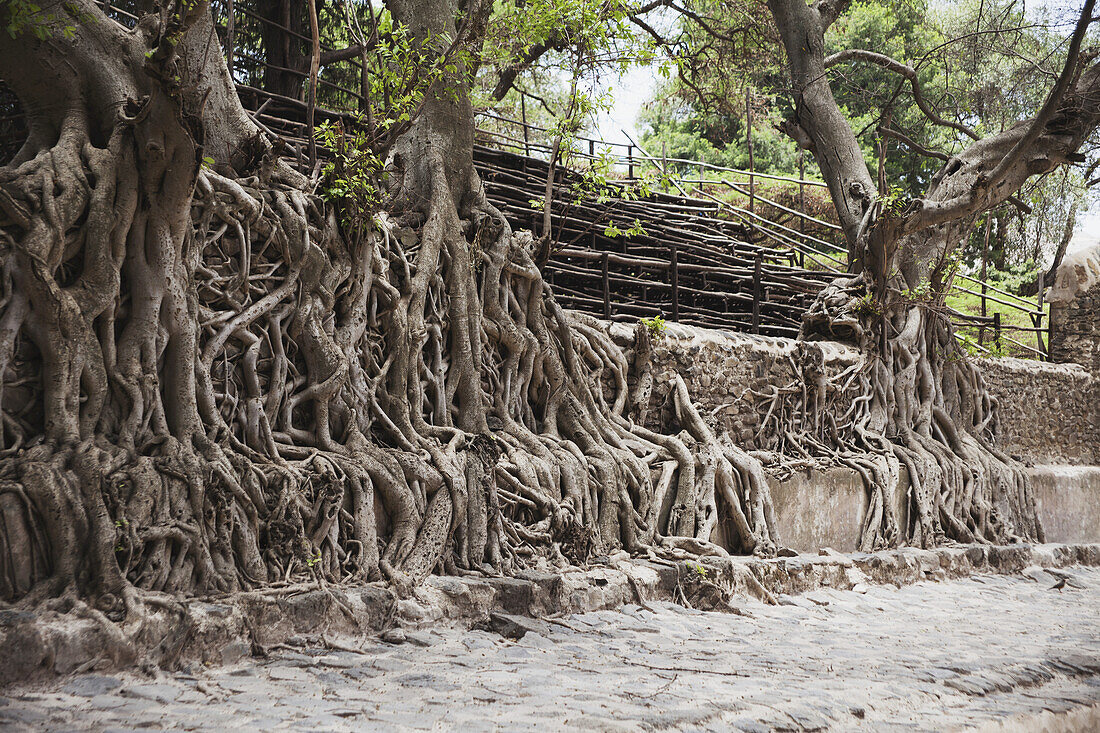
[(994, 652)]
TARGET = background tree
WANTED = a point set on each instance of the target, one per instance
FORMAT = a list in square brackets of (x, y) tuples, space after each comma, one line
[(981, 65), (928, 407)]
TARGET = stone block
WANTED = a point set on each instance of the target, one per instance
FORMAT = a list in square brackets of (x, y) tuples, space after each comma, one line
[(513, 594)]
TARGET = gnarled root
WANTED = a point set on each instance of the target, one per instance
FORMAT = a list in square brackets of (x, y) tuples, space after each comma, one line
[(254, 396), (914, 401)]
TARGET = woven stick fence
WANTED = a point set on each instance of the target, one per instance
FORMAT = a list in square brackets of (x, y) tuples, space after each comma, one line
[(694, 258)]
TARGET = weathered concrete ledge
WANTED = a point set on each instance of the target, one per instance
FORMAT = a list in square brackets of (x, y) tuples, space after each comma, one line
[(1069, 501), (826, 508), (47, 643)]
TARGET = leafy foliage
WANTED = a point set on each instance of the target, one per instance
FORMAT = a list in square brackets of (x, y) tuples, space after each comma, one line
[(656, 327), (352, 178), (23, 16)]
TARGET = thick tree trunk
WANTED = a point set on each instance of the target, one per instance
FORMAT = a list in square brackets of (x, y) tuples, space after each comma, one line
[(286, 55), (211, 383), (919, 402), (818, 123)]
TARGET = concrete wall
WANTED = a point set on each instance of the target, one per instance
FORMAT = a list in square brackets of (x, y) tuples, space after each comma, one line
[(1069, 502), (816, 509)]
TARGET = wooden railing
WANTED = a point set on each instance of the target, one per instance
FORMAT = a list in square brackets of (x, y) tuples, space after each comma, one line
[(686, 263), (699, 257)]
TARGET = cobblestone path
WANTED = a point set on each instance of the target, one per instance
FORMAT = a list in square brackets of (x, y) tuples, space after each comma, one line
[(999, 652)]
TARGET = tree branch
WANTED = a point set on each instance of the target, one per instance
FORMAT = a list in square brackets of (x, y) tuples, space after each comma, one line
[(1030, 149), (1054, 100), (906, 71), (834, 144), (343, 54), (914, 145), (661, 40), (534, 53), (557, 41), (830, 10), (705, 24)]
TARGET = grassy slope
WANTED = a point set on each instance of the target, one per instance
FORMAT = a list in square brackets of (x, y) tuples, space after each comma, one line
[(1010, 317)]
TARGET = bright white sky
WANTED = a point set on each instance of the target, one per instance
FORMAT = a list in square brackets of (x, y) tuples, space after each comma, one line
[(631, 90)]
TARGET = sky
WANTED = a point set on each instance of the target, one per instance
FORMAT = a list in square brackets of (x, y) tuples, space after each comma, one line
[(1088, 230), (631, 90)]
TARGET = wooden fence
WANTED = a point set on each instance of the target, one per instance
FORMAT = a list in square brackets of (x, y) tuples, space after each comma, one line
[(694, 257), (683, 263)]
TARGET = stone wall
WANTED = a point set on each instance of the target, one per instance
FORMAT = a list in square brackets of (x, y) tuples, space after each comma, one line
[(730, 375), (1048, 412), (1075, 310), (1075, 331), (1048, 418)]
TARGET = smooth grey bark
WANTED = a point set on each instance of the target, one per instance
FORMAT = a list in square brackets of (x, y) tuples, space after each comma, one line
[(819, 124)]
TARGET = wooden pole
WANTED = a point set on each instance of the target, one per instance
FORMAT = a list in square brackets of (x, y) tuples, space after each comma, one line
[(664, 164), (756, 292), (630, 162), (606, 287), (997, 329), (748, 140), (802, 202), (674, 274), (523, 119), (230, 36), (985, 261), (314, 69), (882, 145), (1037, 320), (1050, 338)]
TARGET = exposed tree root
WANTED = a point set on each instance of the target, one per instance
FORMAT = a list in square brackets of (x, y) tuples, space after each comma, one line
[(209, 385), (915, 402)]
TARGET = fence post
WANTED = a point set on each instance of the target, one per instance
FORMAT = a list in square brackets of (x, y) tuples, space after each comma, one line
[(674, 274), (523, 119), (985, 260), (997, 329), (664, 165), (1050, 338), (1037, 321), (748, 140), (756, 292), (802, 203), (591, 148), (314, 73), (606, 287), (630, 162)]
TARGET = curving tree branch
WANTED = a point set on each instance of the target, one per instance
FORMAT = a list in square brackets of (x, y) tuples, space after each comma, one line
[(906, 71), (1054, 100), (826, 130)]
